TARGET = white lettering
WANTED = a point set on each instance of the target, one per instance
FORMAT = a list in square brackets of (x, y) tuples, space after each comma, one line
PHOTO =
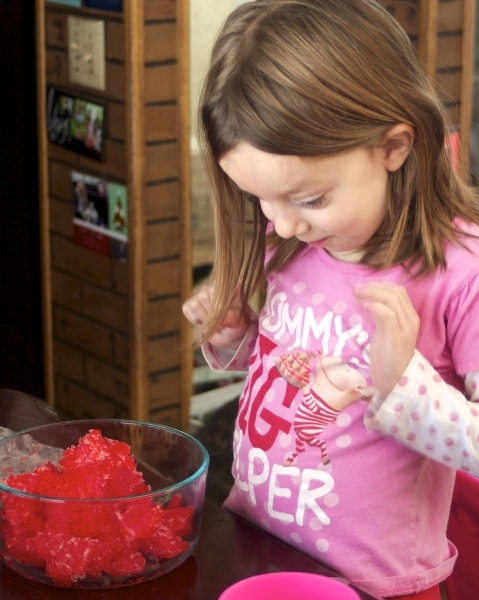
[(309, 494), (344, 336), (243, 485), (303, 327), (276, 491), (257, 477), (291, 325), (283, 489), (273, 307), (323, 328)]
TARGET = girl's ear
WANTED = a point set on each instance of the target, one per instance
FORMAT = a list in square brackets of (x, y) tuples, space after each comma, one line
[(396, 145)]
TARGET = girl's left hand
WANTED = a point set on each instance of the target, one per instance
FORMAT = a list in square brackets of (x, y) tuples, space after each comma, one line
[(397, 327)]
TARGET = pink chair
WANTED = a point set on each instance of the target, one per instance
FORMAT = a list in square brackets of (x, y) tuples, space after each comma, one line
[(463, 531)]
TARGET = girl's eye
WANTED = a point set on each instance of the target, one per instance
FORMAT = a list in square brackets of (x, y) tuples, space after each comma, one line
[(313, 203)]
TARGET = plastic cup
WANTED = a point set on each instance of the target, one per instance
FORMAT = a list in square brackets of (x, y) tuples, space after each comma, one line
[(289, 585)]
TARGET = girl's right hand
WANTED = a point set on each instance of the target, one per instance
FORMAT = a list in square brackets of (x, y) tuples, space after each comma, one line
[(234, 326)]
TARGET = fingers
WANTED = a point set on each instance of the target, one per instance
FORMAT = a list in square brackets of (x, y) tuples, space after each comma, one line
[(196, 308), (233, 317), (396, 330), (389, 304), (233, 327)]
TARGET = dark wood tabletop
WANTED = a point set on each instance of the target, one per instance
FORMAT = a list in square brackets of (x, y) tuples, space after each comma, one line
[(229, 548)]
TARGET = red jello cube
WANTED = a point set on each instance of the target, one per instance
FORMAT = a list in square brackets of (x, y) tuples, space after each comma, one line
[(164, 544), (179, 520)]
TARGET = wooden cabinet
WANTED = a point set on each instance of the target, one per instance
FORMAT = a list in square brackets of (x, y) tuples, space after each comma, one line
[(443, 33), (115, 341)]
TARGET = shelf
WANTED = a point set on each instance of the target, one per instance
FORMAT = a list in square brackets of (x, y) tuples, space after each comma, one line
[(115, 342)]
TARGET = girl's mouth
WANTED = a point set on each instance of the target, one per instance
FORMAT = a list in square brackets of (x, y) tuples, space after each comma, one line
[(318, 243)]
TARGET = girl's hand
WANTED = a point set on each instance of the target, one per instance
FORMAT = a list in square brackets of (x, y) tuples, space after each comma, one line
[(233, 328), (394, 339)]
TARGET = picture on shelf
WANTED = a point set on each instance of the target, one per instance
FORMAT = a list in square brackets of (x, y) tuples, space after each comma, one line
[(100, 215), (75, 123), (86, 124), (74, 3), (116, 5)]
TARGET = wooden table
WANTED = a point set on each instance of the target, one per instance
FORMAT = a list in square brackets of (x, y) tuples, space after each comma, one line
[(229, 547)]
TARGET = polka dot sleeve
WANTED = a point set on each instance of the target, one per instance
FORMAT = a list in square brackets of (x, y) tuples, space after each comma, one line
[(430, 416)]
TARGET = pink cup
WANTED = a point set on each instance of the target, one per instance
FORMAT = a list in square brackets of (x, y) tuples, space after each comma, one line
[(289, 586)]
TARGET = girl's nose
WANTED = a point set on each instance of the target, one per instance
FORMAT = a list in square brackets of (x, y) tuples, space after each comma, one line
[(289, 224)]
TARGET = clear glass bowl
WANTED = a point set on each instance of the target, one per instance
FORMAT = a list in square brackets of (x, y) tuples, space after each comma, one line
[(55, 534)]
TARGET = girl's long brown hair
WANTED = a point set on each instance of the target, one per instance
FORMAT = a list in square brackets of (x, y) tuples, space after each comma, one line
[(315, 78)]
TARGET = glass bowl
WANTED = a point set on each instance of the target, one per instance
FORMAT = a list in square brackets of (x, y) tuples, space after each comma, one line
[(99, 503)]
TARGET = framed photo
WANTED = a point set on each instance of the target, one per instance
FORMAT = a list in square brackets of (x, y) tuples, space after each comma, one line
[(100, 215), (116, 5), (74, 3), (75, 123)]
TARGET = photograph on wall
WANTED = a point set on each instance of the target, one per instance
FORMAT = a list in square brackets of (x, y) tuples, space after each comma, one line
[(75, 123), (100, 215), (74, 3), (116, 5)]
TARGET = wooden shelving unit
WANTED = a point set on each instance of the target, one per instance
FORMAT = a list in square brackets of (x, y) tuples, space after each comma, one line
[(443, 33), (115, 342)]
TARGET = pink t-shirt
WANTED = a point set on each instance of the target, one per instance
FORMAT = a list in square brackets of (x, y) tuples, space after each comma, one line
[(306, 467)]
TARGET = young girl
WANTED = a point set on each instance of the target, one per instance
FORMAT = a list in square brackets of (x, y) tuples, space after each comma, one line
[(363, 362)]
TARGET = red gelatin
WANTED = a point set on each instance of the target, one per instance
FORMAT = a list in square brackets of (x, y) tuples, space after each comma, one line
[(77, 540)]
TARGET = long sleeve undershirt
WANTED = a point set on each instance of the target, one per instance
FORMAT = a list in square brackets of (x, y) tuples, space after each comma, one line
[(431, 417)]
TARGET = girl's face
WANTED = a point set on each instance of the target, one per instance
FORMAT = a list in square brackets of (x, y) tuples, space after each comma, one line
[(336, 202)]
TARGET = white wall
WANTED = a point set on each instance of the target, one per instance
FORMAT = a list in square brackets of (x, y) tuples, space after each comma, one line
[(206, 17)]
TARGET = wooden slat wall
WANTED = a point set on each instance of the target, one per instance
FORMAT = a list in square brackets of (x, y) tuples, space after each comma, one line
[(443, 33), (117, 342), (167, 209)]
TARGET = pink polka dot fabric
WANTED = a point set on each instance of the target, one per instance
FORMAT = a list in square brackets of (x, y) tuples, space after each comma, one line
[(431, 417)]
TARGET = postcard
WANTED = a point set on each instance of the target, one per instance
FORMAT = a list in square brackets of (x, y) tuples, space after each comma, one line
[(75, 123), (100, 215), (116, 5)]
